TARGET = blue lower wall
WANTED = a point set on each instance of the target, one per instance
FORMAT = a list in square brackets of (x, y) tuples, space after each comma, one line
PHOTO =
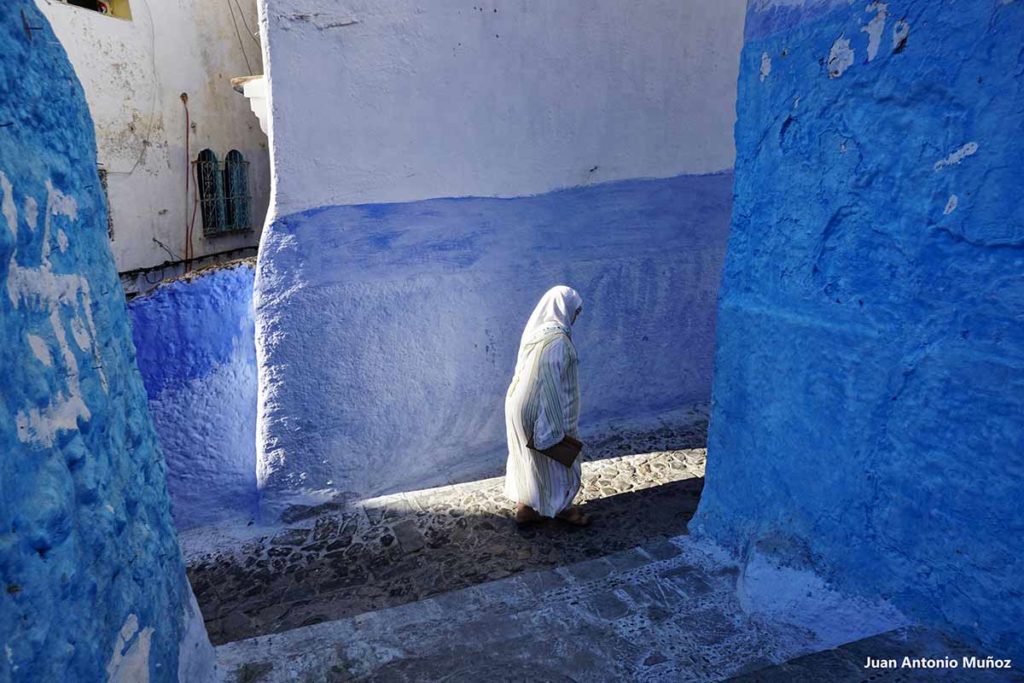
[(868, 403), (92, 584), (388, 333), (196, 353)]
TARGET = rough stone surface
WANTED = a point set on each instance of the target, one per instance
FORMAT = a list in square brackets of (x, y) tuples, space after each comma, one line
[(680, 618), (869, 331), (406, 547), (196, 350), (92, 584)]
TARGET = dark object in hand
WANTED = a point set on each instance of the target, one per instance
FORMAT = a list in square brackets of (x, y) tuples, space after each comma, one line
[(565, 451)]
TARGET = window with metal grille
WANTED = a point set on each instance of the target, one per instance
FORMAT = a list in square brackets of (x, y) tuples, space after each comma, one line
[(223, 192)]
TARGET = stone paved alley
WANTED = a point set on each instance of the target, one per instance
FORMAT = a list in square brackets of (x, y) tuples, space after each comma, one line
[(328, 563), (665, 611), (662, 612), (440, 585)]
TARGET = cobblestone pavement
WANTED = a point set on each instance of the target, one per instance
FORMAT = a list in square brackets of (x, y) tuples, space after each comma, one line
[(397, 549), (670, 610), (667, 611)]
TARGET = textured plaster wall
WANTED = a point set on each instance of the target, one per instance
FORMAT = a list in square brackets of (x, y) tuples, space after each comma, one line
[(93, 585), (133, 73), (198, 362), (390, 332), (393, 283), (869, 378)]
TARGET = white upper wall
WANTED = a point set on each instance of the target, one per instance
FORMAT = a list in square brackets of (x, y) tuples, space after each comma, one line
[(397, 100), (133, 73)]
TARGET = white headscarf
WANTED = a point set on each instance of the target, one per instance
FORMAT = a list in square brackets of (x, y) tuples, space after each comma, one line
[(554, 313)]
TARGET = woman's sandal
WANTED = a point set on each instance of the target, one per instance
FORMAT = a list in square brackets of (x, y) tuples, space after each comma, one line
[(574, 516), (526, 515)]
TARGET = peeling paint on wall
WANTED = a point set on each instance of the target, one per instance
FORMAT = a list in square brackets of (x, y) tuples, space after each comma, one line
[(840, 57), (875, 27), (766, 66), (951, 204), (900, 33), (9, 209), (129, 662), (957, 156), (41, 289)]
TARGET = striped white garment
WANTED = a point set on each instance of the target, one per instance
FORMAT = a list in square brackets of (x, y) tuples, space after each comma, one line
[(543, 402)]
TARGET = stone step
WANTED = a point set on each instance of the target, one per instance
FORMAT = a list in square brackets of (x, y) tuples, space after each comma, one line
[(895, 658), (666, 611), (395, 549)]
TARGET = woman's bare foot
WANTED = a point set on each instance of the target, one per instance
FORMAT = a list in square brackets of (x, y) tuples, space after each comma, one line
[(526, 515), (574, 516)]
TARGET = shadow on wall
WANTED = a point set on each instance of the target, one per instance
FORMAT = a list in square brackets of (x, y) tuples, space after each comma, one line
[(869, 338), (195, 349)]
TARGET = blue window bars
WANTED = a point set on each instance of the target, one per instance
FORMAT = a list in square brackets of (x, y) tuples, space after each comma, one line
[(223, 193)]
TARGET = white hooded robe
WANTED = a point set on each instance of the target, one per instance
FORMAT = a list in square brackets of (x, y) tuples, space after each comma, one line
[(543, 403)]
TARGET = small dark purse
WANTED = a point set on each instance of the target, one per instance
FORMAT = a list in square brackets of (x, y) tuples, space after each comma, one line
[(565, 451)]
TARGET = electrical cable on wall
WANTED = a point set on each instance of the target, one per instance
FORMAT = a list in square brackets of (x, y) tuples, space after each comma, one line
[(165, 248), (188, 166), (238, 34), (192, 222), (248, 30)]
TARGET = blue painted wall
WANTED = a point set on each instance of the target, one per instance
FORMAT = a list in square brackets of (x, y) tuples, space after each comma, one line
[(388, 333), (196, 353), (868, 409), (92, 584)]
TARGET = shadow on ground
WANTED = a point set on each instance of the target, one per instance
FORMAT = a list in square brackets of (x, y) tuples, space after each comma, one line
[(371, 557)]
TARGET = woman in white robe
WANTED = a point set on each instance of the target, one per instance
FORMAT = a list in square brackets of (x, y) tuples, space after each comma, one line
[(542, 407)]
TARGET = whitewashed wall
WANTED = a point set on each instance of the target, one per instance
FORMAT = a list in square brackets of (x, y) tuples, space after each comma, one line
[(133, 73), (398, 100), (420, 151)]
